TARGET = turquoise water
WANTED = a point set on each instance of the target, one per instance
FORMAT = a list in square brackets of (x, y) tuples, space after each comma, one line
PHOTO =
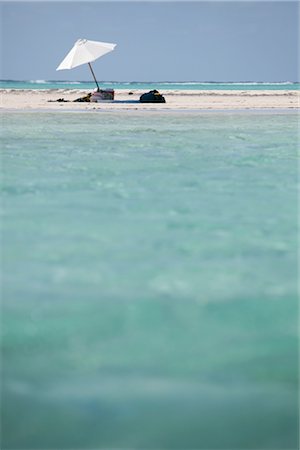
[(149, 271), (161, 85)]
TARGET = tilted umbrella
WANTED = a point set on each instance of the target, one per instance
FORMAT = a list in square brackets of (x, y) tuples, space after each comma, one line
[(84, 52)]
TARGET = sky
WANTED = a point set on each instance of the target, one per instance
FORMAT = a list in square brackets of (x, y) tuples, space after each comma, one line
[(156, 41)]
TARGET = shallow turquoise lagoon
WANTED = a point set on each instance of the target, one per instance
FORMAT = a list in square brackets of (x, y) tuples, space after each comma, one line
[(149, 266), (162, 85)]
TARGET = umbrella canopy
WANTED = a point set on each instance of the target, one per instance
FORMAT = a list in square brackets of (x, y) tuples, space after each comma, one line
[(84, 52)]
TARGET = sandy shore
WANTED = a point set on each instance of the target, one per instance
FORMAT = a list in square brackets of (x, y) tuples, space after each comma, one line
[(12, 99)]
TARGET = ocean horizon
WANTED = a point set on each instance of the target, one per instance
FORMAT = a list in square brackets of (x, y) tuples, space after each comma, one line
[(141, 85)]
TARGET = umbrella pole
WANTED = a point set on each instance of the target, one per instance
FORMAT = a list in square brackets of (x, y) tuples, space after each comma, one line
[(98, 89)]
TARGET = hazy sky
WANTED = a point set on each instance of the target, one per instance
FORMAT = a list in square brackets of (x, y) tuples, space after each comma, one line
[(156, 41)]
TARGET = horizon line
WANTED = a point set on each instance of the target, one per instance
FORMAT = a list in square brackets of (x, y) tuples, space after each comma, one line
[(153, 81)]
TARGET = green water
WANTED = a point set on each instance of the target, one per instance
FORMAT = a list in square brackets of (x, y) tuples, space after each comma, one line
[(149, 281), (162, 85)]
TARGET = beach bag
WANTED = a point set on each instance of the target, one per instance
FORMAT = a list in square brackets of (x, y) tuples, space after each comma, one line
[(103, 95), (152, 97)]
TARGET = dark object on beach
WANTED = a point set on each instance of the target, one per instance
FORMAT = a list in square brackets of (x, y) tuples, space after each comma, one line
[(59, 100), (87, 98), (152, 97), (130, 93)]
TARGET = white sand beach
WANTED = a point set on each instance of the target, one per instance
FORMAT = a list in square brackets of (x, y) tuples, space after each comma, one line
[(17, 99)]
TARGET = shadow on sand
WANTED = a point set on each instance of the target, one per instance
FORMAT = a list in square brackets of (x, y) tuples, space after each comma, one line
[(124, 101)]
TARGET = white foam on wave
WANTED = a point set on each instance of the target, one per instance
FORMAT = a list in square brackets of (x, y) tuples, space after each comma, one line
[(38, 81), (257, 83), (66, 82)]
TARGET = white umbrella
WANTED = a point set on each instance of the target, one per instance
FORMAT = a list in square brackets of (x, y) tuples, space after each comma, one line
[(84, 52)]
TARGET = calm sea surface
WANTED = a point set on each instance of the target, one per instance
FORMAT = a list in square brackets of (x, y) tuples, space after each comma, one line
[(162, 85), (149, 266)]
